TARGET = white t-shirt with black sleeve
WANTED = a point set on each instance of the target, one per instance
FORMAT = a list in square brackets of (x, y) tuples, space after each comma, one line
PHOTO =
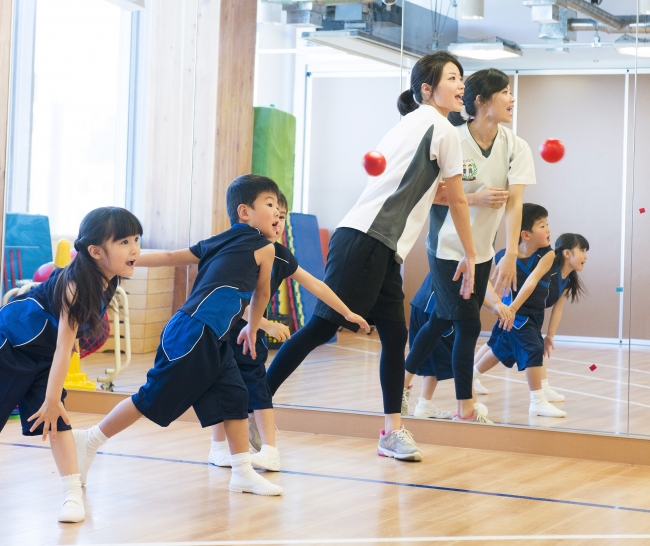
[(420, 150), (510, 162)]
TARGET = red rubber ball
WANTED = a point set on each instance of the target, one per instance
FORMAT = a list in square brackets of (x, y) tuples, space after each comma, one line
[(43, 273), (374, 163), (552, 150)]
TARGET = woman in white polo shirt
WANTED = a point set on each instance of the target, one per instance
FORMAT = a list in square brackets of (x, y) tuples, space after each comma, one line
[(494, 157), (370, 243)]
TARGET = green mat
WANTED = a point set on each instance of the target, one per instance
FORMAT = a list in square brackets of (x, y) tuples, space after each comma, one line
[(274, 147)]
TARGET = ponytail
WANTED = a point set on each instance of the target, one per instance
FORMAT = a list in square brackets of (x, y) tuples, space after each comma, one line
[(82, 289), (569, 241), (428, 70), (483, 84)]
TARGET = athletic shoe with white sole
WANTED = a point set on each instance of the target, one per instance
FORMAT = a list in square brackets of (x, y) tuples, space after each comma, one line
[(72, 510), (256, 485), (406, 394), (268, 458), (398, 444), (553, 396), (219, 454), (545, 409), (254, 438), (479, 388), (475, 418), (426, 409), (481, 408)]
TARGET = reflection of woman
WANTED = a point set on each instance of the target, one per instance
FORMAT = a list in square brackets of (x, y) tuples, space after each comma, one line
[(363, 263), (493, 157)]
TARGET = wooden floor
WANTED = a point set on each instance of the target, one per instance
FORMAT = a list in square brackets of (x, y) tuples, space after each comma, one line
[(345, 375), (150, 485)]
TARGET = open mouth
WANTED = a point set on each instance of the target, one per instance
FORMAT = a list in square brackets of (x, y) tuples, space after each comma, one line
[(459, 98), (131, 263), (511, 110), (275, 224)]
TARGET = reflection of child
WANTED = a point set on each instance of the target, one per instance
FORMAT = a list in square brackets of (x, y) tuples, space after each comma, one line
[(38, 331), (570, 257), (194, 365), (253, 370)]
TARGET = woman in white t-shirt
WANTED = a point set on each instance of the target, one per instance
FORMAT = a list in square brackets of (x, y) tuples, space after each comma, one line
[(494, 158), (370, 243)]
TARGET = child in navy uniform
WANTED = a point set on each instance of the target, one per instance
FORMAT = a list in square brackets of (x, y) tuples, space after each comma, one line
[(570, 257), (194, 365), (523, 344), (253, 370), (38, 331)]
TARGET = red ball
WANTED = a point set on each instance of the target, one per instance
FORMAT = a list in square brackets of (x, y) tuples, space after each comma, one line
[(552, 150), (43, 273), (374, 163)]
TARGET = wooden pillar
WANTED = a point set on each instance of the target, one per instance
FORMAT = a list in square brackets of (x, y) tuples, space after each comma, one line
[(233, 147), (6, 7)]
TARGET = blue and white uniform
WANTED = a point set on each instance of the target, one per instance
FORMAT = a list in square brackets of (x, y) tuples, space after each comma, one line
[(423, 304), (194, 365), (28, 333), (524, 343), (253, 371)]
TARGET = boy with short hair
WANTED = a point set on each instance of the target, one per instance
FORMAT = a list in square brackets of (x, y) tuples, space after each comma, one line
[(194, 365), (524, 344), (253, 370)]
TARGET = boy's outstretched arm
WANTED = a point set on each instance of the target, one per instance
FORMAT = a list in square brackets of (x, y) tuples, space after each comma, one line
[(531, 282), (324, 293), (261, 296), (556, 317), (163, 258)]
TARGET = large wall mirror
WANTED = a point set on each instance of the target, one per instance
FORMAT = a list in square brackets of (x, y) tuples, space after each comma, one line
[(127, 119)]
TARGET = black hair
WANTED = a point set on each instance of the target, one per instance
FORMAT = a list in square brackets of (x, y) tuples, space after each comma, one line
[(90, 287), (244, 189), (428, 69), (569, 241), (282, 201), (531, 213), (483, 83)]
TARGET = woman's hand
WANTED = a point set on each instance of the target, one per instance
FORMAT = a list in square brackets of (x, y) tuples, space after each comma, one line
[(466, 268), (48, 414), (493, 198)]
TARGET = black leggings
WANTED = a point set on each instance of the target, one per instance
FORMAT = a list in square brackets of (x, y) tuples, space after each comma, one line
[(462, 357), (317, 331)]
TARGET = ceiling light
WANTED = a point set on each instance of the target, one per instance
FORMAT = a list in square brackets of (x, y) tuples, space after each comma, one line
[(627, 45), (485, 50), (471, 9)]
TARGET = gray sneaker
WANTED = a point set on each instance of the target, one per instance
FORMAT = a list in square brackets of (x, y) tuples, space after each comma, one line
[(477, 417), (254, 437), (406, 394), (398, 444)]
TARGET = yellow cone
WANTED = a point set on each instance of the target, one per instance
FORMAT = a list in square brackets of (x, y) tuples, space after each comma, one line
[(76, 379), (62, 253)]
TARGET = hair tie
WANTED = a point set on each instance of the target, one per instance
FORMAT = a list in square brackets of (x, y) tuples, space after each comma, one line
[(464, 113), (77, 244)]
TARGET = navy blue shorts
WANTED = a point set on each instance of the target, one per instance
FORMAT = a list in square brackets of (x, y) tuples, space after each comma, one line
[(523, 344), (439, 362), (23, 383), (253, 372), (192, 369)]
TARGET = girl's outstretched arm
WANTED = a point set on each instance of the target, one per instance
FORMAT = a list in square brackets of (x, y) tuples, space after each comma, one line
[(161, 258), (325, 293)]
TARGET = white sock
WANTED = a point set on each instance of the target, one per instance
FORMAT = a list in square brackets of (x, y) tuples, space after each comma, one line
[(241, 466), (72, 488), (477, 374), (537, 397), (96, 438), (220, 445), (545, 384)]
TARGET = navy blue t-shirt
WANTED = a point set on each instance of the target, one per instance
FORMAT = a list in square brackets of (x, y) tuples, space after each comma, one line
[(284, 265), (227, 277), (536, 302), (423, 298), (557, 286)]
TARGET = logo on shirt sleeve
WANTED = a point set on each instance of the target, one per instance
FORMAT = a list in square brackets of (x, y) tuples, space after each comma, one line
[(470, 170)]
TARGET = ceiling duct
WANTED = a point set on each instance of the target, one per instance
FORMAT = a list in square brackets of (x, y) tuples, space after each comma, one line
[(374, 30), (629, 28)]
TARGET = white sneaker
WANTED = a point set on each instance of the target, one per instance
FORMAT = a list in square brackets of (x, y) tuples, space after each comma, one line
[(256, 485), (398, 444), (426, 409), (553, 396), (406, 394), (268, 458), (219, 456), (72, 510), (475, 418), (479, 388), (545, 409), (481, 408)]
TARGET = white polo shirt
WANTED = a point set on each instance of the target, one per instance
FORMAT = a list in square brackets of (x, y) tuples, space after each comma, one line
[(420, 150), (510, 162)]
